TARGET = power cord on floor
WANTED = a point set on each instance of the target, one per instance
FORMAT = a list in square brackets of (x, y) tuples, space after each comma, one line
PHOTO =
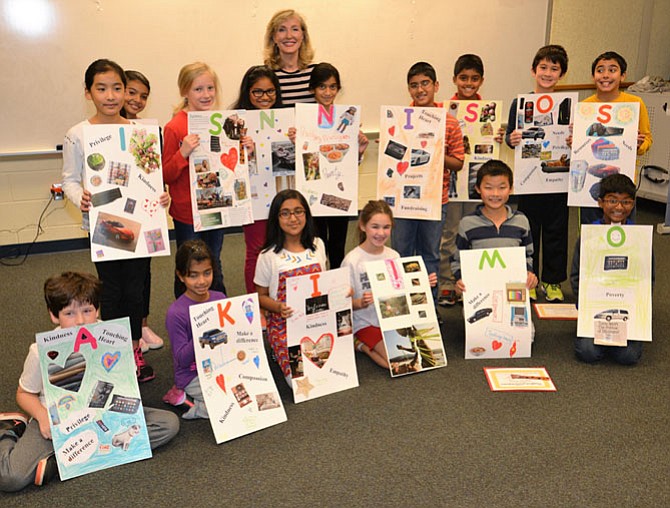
[(16, 254)]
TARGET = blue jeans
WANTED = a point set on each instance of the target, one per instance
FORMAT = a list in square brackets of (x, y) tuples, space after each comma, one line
[(421, 238), (588, 352), (214, 240)]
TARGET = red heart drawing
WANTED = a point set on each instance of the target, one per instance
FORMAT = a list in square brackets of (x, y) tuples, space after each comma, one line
[(229, 159), (424, 143), (496, 345), (402, 167), (392, 130), (317, 352), (52, 354), (512, 350), (221, 382)]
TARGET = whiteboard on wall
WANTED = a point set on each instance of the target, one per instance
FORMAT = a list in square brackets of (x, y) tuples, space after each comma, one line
[(46, 46)]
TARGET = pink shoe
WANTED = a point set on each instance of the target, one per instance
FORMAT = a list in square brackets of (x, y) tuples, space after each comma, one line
[(151, 338), (175, 396)]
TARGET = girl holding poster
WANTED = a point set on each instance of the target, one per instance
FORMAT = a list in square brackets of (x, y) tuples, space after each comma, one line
[(123, 279), (374, 228), (325, 85), (199, 89), (194, 265), (259, 90), (291, 248)]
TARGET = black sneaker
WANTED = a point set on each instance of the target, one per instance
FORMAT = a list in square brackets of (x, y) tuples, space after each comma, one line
[(13, 424), (46, 470), (144, 371)]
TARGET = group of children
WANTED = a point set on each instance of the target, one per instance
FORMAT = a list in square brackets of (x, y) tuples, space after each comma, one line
[(288, 243)]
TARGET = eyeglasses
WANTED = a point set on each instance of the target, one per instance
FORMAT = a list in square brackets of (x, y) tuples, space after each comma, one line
[(298, 212), (626, 203), (423, 84), (258, 93)]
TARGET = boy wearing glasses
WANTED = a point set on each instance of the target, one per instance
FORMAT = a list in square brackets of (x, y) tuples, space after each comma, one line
[(616, 199), (422, 237)]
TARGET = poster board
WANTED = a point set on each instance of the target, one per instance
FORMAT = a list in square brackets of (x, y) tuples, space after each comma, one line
[(479, 122), (604, 142), (327, 157), (411, 161), (320, 334), (496, 305), (520, 379), (272, 163), (219, 172), (542, 159), (406, 312), (615, 268), (123, 172), (94, 404), (235, 378)]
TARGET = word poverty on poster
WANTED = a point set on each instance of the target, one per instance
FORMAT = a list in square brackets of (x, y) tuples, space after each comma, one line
[(411, 161), (327, 157), (320, 334), (407, 318), (219, 171), (496, 305), (272, 161), (542, 159), (604, 142), (615, 267), (91, 393), (123, 172), (480, 121), (237, 385)]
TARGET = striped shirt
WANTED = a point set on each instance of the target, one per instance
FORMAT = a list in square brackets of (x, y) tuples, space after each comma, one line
[(476, 231), (294, 85)]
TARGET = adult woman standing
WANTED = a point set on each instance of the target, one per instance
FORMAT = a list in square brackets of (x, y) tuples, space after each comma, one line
[(288, 51)]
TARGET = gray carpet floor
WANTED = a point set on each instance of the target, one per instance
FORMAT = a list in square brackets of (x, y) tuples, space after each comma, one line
[(439, 438)]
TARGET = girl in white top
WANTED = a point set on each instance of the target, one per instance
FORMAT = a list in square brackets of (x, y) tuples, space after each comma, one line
[(291, 248), (374, 223)]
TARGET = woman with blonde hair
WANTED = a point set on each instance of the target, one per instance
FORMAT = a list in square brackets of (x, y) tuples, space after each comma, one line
[(288, 51)]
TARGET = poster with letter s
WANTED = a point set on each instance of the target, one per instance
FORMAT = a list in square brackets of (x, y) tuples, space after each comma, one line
[(479, 122), (542, 159), (496, 304), (615, 267), (91, 394), (219, 171), (327, 157), (123, 172), (406, 311), (320, 334), (235, 378), (411, 161), (604, 142)]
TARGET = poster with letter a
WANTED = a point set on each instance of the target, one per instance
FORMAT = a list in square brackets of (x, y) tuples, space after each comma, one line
[(122, 165), (604, 142), (479, 122), (327, 157), (320, 334), (91, 394), (404, 304), (496, 305), (272, 162), (615, 267), (235, 378), (542, 159), (220, 189), (411, 161)]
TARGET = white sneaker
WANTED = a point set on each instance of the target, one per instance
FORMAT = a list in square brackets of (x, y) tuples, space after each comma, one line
[(150, 338), (144, 346)]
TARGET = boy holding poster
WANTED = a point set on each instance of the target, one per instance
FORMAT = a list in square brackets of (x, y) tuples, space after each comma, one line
[(616, 200), (26, 451), (547, 213), (422, 237), (608, 71)]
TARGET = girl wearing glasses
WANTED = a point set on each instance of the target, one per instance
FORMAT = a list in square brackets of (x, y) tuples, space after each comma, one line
[(291, 248)]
